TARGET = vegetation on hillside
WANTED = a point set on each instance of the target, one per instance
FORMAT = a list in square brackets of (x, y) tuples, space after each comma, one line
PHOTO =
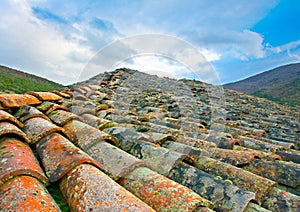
[(281, 85), (12, 81)]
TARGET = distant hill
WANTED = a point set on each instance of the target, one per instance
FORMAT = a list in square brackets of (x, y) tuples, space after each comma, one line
[(281, 85), (15, 81)]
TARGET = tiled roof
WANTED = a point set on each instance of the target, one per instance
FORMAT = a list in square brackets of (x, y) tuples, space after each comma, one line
[(128, 141)]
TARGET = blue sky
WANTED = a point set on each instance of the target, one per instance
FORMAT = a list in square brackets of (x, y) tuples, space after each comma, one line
[(57, 39)]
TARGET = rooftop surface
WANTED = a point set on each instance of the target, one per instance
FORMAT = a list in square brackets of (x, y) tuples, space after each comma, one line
[(129, 141)]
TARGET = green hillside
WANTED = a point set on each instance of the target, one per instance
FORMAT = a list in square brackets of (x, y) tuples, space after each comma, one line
[(14, 81)]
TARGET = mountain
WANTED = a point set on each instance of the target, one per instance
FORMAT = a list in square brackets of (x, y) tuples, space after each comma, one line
[(280, 84), (15, 81)]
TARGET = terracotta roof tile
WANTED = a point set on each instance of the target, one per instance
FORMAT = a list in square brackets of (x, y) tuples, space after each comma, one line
[(4, 116), (222, 194), (88, 189), (7, 129), (61, 117), (28, 112), (85, 135), (173, 144), (116, 163), (38, 128), (59, 156), (17, 159), (161, 193), (17, 100), (239, 177), (25, 193), (48, 107), (45, 96), (282, 173)]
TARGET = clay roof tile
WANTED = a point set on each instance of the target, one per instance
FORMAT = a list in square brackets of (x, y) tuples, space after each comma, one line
[(17, 159), (25, 193), (38, 128), (17, 100), (59, 156), (46, 96), (4, 116)]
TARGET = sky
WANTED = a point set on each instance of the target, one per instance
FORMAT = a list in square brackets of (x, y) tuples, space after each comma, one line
[(63, 40)]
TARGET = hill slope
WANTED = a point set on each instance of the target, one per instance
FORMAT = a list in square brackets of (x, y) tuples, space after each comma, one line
[(281, 84), (14, 81)]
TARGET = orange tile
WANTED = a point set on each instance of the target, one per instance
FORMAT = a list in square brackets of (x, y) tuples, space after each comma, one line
[(161, 193), (17, 100), (85, 136), (88, 189), (17, 159), (38, 128), (10, 129), (59, 156), (46, 96), (4, 116), (25, 193)]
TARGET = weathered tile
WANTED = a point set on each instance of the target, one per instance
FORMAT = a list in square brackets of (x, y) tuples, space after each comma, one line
[(85, 136), (233, 157), (18, 100), (61, 117), (198, 143), (59, 156), (63, 94), (192, 152), (161, 193), (96, 122), (259, 145), (16, 158), (222, 194), (159, 138), (6, 117), (293, 156), (286, 174), (25, 193), (48, 107), (38, 128), (7, 128), (27, 112), (88, 189), (116, 163), (279, 200), (239, 177), (161, 159), (126, 138), (45, 96)]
